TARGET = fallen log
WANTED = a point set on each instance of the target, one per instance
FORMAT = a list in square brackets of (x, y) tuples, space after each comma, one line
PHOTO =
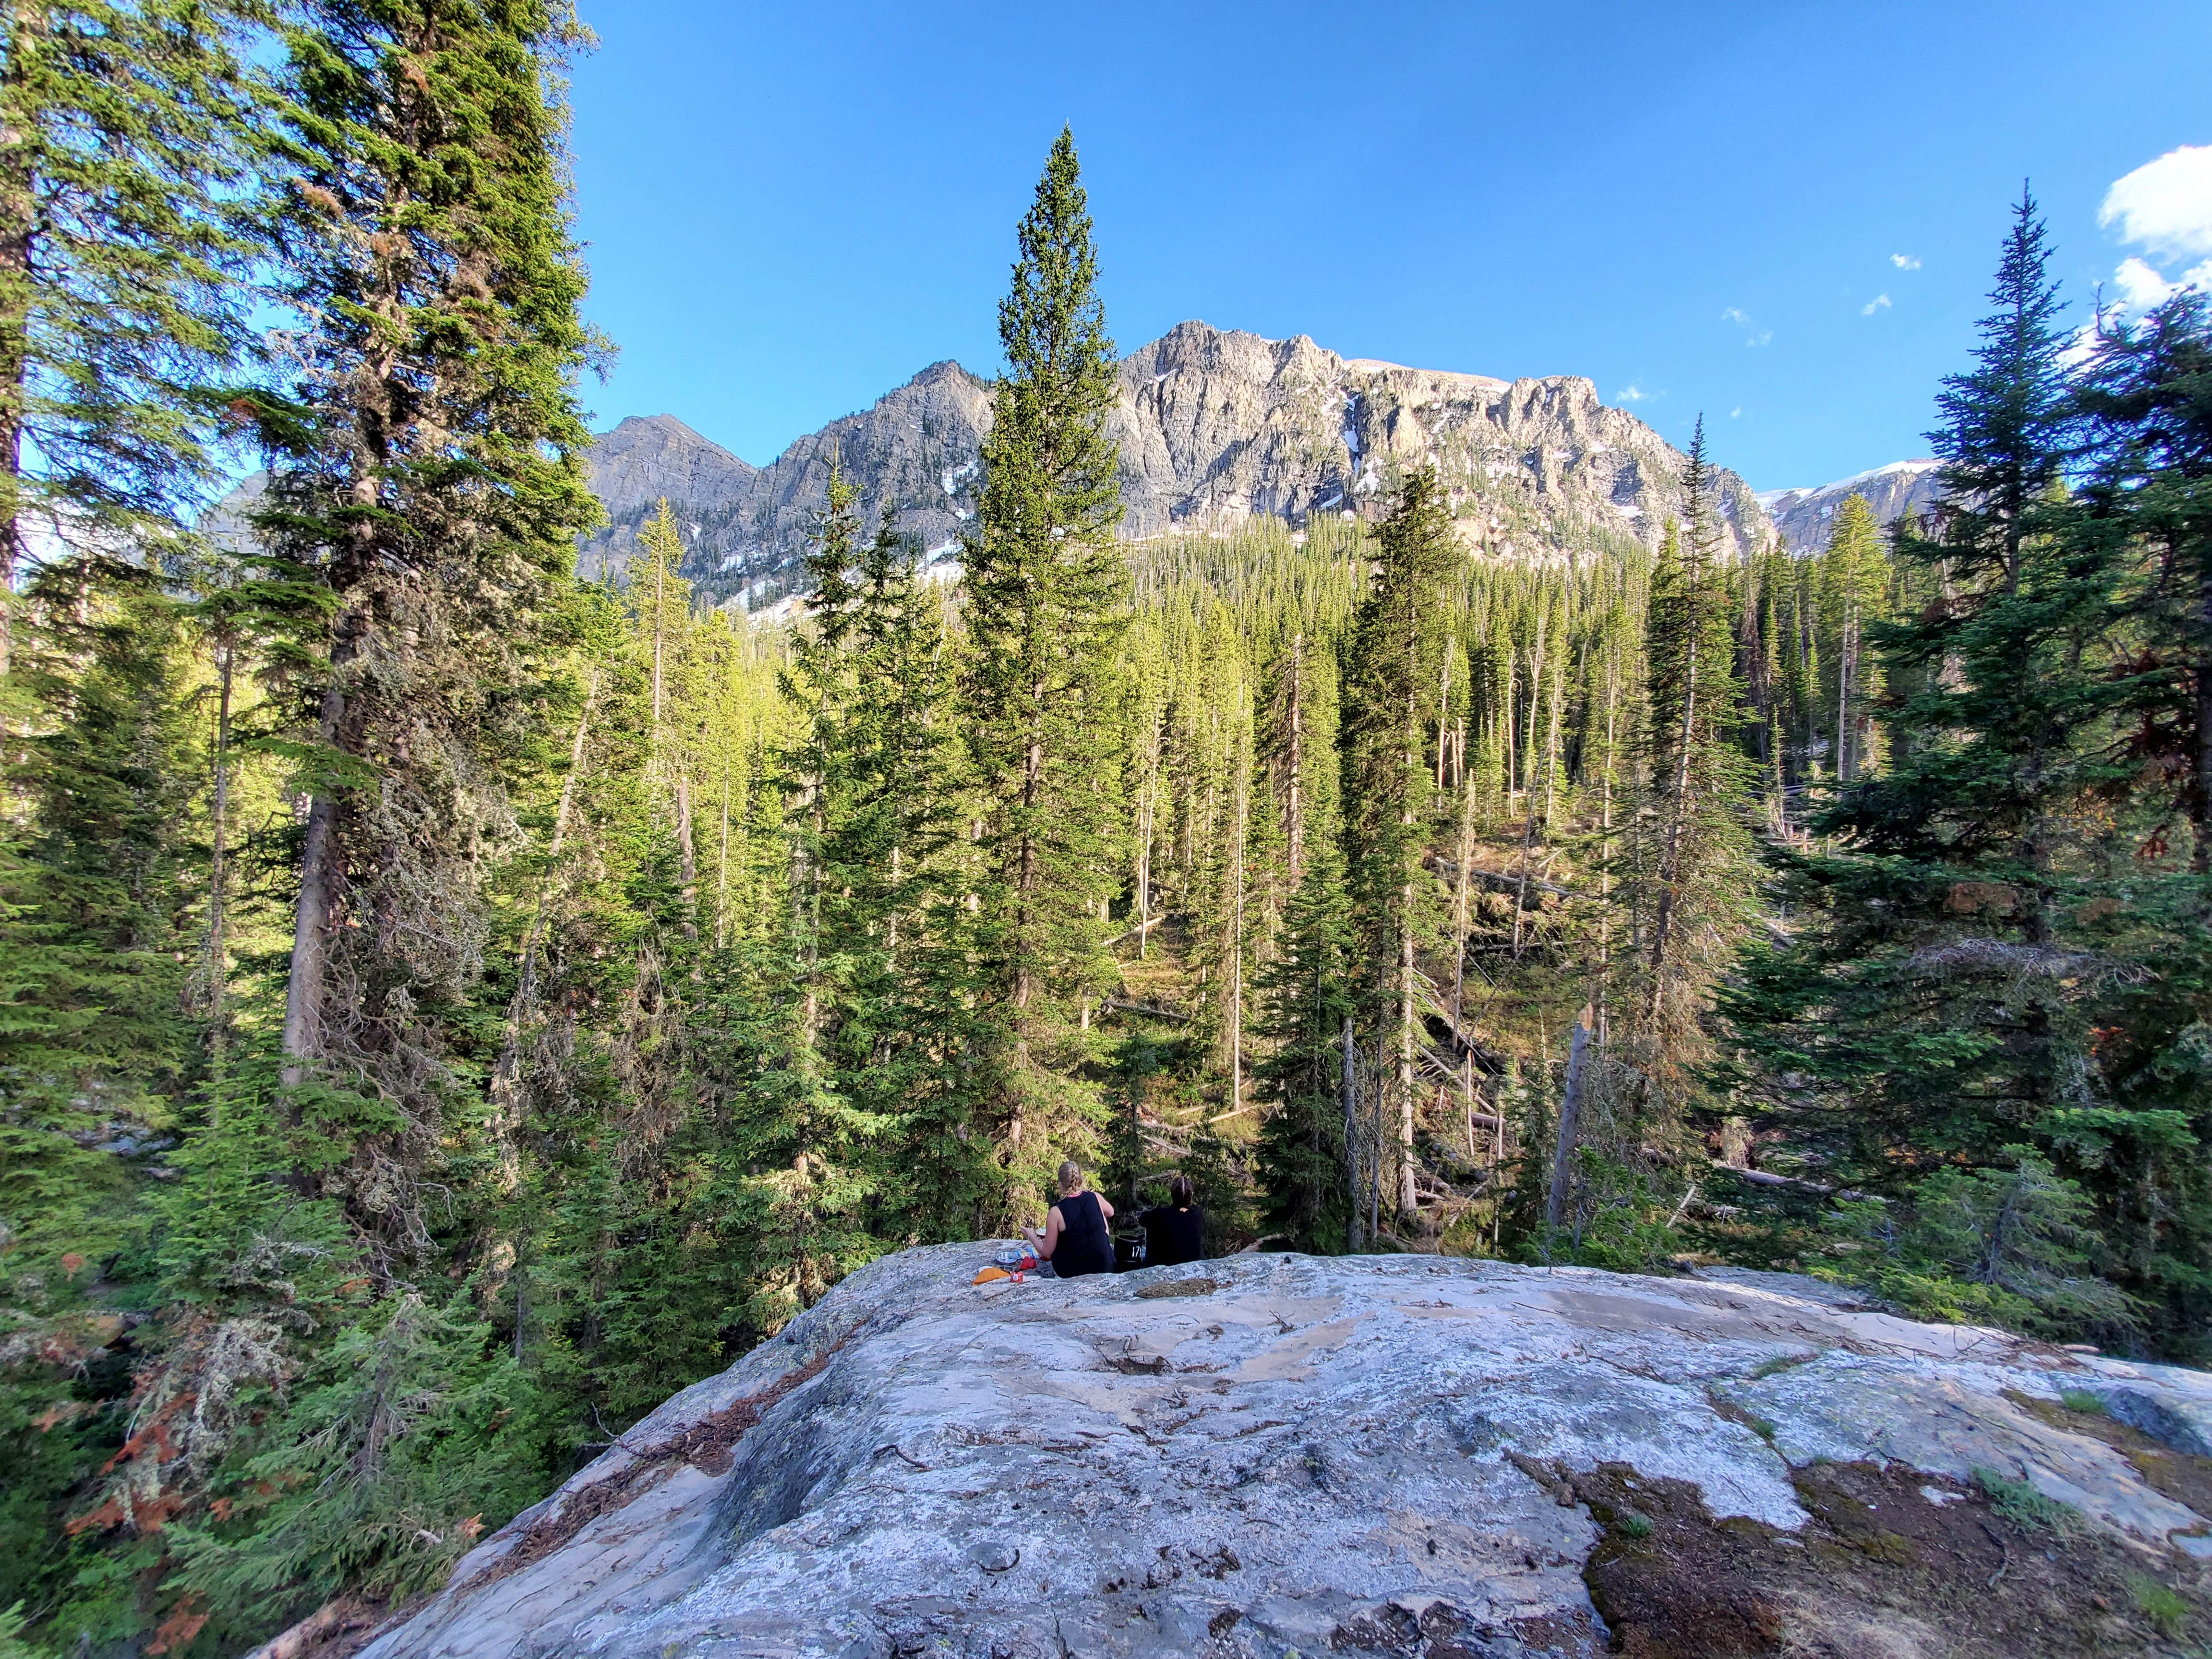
[(331, 1619), (1795, 1184), (1139, 1008)]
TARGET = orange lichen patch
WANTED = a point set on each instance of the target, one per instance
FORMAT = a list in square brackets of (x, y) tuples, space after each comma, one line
[(154, 1434)]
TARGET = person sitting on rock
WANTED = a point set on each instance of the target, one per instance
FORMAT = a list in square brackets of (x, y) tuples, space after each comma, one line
[(1175, 1232), (1074, 1239)]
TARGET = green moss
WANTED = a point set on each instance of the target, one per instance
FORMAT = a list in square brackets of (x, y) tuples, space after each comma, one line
[(2160, 1604), (2027, 1508)]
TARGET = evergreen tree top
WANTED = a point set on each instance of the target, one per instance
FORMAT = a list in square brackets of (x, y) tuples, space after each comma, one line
[(1052, 324), (2003, 439)]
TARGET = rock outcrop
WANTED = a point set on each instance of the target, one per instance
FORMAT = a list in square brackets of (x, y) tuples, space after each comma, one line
[(1801, 516), (1215, 428), (746, 528), (1278, 1454)]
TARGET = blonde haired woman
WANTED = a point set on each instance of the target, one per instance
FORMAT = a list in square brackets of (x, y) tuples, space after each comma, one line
[(1075, 1240)]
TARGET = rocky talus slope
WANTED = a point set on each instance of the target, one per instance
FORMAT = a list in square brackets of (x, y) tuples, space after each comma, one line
[(1405, 1456), (1215, 428)]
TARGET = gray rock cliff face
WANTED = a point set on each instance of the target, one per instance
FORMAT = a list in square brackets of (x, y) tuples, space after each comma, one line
[(1218, 427), (1215, 428), (1288, 1455), (1801, 517), (745, 529)]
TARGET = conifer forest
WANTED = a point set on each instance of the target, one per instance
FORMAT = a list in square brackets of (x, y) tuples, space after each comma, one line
[(447, 1005)]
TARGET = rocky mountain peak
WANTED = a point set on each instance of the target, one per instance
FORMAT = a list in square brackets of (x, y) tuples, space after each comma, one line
[(1216, 427), (1801, 517)]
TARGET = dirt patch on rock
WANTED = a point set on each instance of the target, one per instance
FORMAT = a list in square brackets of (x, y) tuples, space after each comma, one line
[(705, 1445), (2180, 1475), (1182, 1287), (1894, 1564)]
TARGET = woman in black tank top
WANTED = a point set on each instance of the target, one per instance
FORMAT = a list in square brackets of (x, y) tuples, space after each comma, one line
[(1075, 1240)]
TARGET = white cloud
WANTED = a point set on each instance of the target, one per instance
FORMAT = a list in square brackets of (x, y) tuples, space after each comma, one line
[(2166, 205), (1880, 302), (2081, 348), (1631, 393), (2141, 287), (1905, 261), (1754, 335), (1736, 412)]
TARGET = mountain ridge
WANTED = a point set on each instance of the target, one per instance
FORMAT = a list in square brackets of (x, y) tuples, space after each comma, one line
[(1216, 428), (1801, 516)]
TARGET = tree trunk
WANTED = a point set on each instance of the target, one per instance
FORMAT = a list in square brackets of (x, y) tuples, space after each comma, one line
[(2200, 783), (1512, 775), (1295, 826), (1236, 986), (1605, 839), (304, 988), (1844, 654), (506, 1075), (1460, 918), (1571, 1114), (660, 578), (1670, 860), (218, 947), (1443, 710), (18, 220), (687, 860), (1147, 812), (1349, 1084), (1408, 1197), (1026, 889), (1552, 753), (722, 871)]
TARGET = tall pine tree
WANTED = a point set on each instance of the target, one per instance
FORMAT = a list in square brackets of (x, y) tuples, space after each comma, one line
[(1388, 679), (1045, 591), (1942, 998), (125, 130)]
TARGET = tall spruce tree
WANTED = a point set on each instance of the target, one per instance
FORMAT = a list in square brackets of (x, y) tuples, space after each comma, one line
[(126, 126), (1046, 598), (1693, 853), (429, 482), (1390, 673), (2148, 396), (425, 494), (873, 785), (1942, 1000), (1854, 582)]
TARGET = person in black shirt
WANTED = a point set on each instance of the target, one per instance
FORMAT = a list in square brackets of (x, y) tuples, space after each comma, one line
[(1074, 1239), (1175, 1232)]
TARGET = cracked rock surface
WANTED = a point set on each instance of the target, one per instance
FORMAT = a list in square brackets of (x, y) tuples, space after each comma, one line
[(1288, 1455)]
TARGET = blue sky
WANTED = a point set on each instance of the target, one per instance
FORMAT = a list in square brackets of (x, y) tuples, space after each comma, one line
[(1784, 215)]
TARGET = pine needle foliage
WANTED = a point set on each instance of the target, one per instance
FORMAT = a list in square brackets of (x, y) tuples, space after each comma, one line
[(1045, 596)]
